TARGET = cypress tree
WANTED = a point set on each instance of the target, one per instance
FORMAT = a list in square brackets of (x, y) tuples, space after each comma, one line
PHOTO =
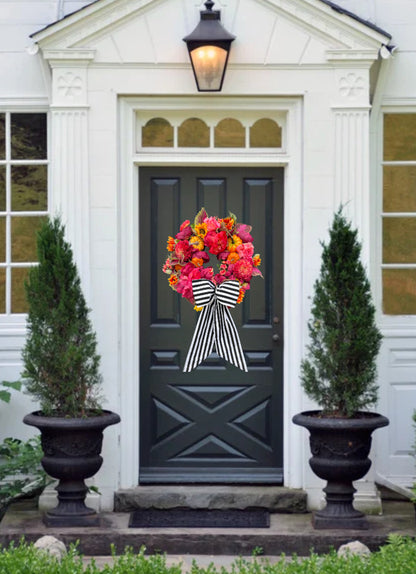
[(339, 370), (61, 364)]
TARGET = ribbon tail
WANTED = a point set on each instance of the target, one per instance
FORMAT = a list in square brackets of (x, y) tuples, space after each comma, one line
[(227, 341), (202, 341)]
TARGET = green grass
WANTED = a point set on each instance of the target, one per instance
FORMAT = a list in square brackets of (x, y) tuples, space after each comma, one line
[(397, 557)]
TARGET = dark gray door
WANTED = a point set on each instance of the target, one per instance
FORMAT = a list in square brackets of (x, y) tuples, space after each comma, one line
[(217, 423)]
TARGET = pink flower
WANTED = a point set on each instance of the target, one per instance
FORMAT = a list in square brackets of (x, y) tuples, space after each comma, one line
[(185, 232), (183, 250), (184, 224), (218, 279), (216, 242), (184, 286), (245, 250), (243, 270), (202, 255), (243, 231), (187, 269), (212, 223), (223, 255)]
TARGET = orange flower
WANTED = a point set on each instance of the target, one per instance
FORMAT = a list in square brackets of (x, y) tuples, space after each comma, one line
[(196, 308), (197, 243), (233, 257), (233, 242), (197, 261), (201, 229), (173, 279), (241, 295), (228, 222), (256, 260), (170, 244)]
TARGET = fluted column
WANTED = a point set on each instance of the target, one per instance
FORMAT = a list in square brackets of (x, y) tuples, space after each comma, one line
[(352, 152), (69, 176)]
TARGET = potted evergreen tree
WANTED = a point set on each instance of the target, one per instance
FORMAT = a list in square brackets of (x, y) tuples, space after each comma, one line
[(61, 372), (339, 374)]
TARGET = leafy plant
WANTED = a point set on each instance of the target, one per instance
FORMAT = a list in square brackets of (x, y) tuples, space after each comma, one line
[(20, 467), (61, 364), (5, 394), (340, 368), (20, 470)]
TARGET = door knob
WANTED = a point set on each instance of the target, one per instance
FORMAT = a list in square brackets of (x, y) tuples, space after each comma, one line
[(275, 337)]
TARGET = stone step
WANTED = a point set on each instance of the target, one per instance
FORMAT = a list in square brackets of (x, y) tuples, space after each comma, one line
[(288, 533), (276, 499)]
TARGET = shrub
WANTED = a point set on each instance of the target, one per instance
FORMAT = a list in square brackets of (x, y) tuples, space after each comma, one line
[(397, 557), (61, 364), (340, 368)]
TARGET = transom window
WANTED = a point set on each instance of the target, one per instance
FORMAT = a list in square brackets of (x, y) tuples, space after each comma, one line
[(399, 214), (195, 132), (23, 201)]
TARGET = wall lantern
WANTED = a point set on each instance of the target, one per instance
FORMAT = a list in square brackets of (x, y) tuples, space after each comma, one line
[(209, 46)]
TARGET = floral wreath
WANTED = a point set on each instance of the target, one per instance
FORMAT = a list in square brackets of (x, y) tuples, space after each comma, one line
[(230, 241)]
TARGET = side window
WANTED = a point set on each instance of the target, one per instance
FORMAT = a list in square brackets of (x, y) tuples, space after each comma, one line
[(399, 214), (23, 201)]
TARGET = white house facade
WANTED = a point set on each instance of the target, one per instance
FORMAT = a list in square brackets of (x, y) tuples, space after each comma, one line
[(318, 109)]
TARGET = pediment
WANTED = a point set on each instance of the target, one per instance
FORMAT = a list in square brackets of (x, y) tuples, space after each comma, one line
[(269, 32)]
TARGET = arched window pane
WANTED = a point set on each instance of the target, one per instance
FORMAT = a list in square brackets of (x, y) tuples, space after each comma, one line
[(229, 133), (157, 133), (193, 132), (265, 133)]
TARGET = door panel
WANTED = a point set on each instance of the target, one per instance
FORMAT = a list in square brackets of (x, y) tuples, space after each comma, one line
[(217, 423)]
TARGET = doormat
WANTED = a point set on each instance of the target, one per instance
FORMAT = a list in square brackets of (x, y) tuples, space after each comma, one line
[(199, 518)]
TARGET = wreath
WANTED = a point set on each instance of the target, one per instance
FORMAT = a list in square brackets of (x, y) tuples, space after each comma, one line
[(189, 252)]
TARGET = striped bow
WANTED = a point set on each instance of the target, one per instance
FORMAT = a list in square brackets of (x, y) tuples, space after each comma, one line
[(215, 325)]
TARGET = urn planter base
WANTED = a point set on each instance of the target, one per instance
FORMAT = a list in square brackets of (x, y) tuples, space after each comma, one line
[(71, 509), (71, 449), (339, 511), (340, 449)]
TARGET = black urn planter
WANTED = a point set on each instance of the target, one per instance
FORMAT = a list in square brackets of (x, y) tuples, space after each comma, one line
[(71, 448), (340, 449)]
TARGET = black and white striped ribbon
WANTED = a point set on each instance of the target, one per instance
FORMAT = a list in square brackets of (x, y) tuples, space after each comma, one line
[(215, 325)]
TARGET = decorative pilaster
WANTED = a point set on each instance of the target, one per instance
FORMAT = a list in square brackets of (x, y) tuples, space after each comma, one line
[(352, 153), (69, 177)]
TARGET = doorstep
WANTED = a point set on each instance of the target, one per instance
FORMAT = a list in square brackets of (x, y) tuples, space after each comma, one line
[(273, 498), (288, 533)]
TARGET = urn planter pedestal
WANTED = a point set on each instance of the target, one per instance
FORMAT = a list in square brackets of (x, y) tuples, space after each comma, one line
[(71, 448), (340, 449)]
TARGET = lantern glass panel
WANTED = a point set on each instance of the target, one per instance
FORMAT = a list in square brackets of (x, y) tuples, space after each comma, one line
[(209, 63)]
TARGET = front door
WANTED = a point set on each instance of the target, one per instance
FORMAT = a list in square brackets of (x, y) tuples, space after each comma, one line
[(217, 423)]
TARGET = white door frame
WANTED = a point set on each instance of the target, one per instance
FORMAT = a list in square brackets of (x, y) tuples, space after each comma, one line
[(128, 272)]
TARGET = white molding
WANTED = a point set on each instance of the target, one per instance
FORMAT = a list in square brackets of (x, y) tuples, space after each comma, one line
[(23, 104), (129, 272), (317, 18), (78, 56)]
